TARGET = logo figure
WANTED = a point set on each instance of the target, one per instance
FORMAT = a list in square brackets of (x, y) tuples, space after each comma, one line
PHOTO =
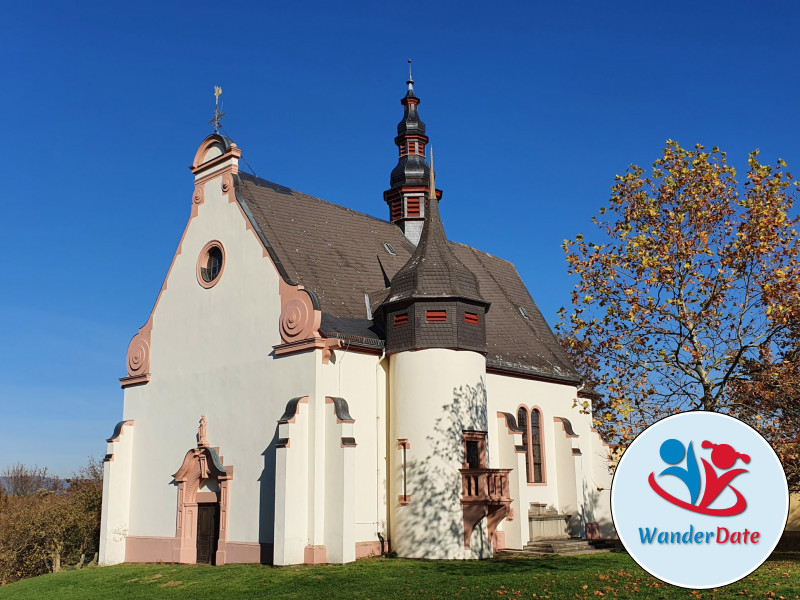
[(722, 455)]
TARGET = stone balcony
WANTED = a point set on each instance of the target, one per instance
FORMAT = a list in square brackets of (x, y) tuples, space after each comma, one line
[(484, 493)]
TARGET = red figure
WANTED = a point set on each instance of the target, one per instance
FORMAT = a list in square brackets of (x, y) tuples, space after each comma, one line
[(723, 456)]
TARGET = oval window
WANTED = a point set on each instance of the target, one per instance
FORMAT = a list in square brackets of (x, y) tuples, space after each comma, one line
[(210, 264)]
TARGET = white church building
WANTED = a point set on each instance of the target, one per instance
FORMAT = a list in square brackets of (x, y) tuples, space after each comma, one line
[(318, 385)]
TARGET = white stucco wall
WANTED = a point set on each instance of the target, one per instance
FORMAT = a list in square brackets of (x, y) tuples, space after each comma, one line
[(211, 354), (435, 394), (568, 489), (598, 490), (115, 521), (361, 380)]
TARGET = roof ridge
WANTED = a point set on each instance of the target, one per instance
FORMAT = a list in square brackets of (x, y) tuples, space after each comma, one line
[(494, 256)]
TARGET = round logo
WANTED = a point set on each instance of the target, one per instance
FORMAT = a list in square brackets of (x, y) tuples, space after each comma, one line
[(699, 500)]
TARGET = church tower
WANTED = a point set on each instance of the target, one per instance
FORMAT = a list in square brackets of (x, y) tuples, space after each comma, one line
[(409, 179), (445, 501)]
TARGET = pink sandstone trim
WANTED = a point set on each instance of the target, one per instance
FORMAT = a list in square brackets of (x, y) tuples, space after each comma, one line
[(542, 440), (499, 540), (315, 555), (199, 195), (529, 457), (143, 549), (303, 400), (148, 549), (501, 415), (125, 382), (243, 552), (197, 465), (128, 423), (202, 260), (205, 146), (227, 186), (564, 427), (207, 497), (299, 319), (325, 344), (329, 400), (217, 161), (367, 549), (138, 356)]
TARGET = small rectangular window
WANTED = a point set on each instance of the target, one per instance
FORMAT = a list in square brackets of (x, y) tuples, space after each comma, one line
[(401, 319), (396, 210), (471, 318), (473, 454), (436, 316)]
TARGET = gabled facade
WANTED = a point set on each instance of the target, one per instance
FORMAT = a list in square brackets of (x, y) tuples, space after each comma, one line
[(316, 385)]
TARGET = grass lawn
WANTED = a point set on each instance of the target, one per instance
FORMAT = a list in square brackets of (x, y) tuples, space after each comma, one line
[(591, 576)]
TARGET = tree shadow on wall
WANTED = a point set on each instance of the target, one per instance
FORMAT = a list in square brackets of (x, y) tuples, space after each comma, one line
[(433, 526), (597, 504), (266, 511)]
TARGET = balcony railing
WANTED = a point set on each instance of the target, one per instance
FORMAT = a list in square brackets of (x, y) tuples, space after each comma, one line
[(489, 486)]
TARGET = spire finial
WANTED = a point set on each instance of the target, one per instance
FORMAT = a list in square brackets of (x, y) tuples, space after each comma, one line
[(218, 114), (410, 81), (432, 192)]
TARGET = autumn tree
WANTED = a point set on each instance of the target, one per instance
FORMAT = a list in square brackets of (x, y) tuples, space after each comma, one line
[(768, 398), (690, 277), (45, 526)]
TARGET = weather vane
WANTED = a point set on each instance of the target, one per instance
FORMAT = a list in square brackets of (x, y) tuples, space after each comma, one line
[(218, 114)]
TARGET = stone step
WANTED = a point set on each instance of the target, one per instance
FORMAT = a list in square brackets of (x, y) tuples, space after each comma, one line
[(567, 546)]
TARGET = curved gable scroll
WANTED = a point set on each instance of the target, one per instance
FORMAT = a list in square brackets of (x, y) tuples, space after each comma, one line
[(299, 323)]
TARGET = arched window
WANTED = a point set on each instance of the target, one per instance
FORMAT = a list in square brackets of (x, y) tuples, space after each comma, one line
[(532, 443), (536, 447), (522, 421)]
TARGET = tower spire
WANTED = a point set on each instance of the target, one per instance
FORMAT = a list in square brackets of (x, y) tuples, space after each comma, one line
[(434, 286), (410, 178)]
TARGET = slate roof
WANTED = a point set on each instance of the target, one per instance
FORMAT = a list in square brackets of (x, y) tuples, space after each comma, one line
[(433, 269), (339, 254)]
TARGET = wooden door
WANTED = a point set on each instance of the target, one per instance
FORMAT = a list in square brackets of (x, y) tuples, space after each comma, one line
[(207, 532)]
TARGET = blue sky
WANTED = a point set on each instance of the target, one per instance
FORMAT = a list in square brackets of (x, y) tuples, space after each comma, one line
[(532, 109)]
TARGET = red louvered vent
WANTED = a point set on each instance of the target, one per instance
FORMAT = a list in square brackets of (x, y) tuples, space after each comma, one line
[(401, 319), (436, 316), (471, 318), (412, 207), (396, 210)]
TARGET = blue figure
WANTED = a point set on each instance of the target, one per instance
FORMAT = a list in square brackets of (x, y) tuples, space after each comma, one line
[(672, 452)]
